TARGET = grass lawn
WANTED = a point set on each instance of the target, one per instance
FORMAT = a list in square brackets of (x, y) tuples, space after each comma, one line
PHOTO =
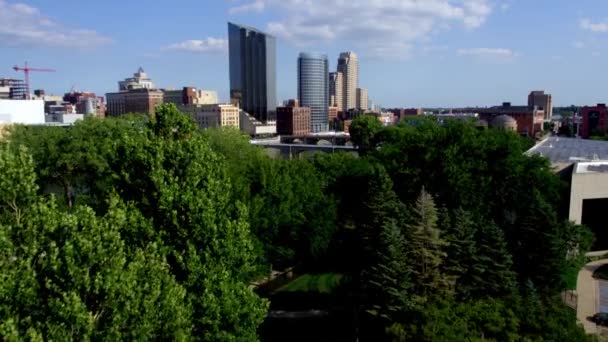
[(322, 283), (601, 272)]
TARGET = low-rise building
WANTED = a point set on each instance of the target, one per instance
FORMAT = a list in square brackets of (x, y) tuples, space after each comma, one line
[(293, 119), (136, 95), (529, 120), (63, 118), (12, 89), (254, 127), (191, 96), (142, 101), (21, 112), (594, 120), (218, 115), (86, 103)]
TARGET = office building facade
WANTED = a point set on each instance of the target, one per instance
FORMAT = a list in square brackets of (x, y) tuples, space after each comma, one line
[(142, 101), (336, 87), (217, 115), (594, 120), (362, 99), (252, 60), (348, 65), (313, 89), (541, 101), (293, 119)]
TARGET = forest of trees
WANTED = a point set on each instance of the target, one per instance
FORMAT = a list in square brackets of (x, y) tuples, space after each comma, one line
[(142, 228)]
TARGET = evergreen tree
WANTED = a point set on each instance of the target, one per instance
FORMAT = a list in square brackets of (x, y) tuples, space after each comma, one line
[(389, 283), (492, 272), (461, 252), (426, 249)]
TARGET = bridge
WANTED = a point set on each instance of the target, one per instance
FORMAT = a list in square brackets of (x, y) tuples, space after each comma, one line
[(290, 151), (333, 138)]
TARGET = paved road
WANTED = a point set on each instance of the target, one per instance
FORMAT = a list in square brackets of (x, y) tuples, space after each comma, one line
[(588, 290)]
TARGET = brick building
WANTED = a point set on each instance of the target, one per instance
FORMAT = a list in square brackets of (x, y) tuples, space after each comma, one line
[(594, 120), (404, 112), (293, 119), (142, 101), (529, 121)]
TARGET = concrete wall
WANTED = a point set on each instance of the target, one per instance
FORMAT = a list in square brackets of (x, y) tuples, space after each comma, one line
[(586, 186), (21, 111)]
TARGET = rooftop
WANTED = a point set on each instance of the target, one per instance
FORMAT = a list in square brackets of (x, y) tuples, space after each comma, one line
[(592, 167), (561, 150)]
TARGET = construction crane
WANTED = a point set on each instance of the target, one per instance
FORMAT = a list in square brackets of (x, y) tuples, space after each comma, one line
[(26, 70)]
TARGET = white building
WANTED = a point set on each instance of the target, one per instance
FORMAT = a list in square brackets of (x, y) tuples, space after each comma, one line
[(140, 80), (254, 127), (21, 112), (63, 118), (217, 115), (206, 97)]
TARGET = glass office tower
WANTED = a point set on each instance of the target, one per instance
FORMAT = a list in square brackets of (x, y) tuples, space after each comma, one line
[(313, 89), (252, 58)]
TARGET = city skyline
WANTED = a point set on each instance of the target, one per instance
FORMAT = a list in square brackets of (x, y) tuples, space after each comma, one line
[(431, 54)]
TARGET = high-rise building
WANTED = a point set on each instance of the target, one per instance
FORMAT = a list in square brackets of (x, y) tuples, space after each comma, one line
[(313, 89), (348, 65), (336, 87), (362, 99), (252, 59), (542, 101)]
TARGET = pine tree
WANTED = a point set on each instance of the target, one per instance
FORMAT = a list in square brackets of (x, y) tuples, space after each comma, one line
[(461, 251), (389, 282), (426, 248), (492, 267)]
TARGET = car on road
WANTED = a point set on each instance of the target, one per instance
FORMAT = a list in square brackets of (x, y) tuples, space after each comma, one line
[(600, 318)]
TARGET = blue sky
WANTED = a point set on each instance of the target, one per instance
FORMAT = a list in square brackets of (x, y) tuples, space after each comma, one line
[(412, 52)]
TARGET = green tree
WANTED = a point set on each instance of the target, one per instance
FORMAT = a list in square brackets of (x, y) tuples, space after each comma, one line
[(363, 131), (388, 283), (426, 249), (70, 275)]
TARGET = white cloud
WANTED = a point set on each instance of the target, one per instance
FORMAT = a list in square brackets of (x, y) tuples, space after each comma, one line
[(22, 25), (390, 27), (578, 44), (255, 6), (597, 27), (208, 45), (497, 54)]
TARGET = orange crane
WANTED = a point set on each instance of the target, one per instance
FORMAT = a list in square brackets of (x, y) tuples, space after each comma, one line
[(26, 70)]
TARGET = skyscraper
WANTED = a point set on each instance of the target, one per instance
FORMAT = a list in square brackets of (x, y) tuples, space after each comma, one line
[(313, 89), (252, 59), (539, 99), (362, 99), (335, 90), (348, 65)]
